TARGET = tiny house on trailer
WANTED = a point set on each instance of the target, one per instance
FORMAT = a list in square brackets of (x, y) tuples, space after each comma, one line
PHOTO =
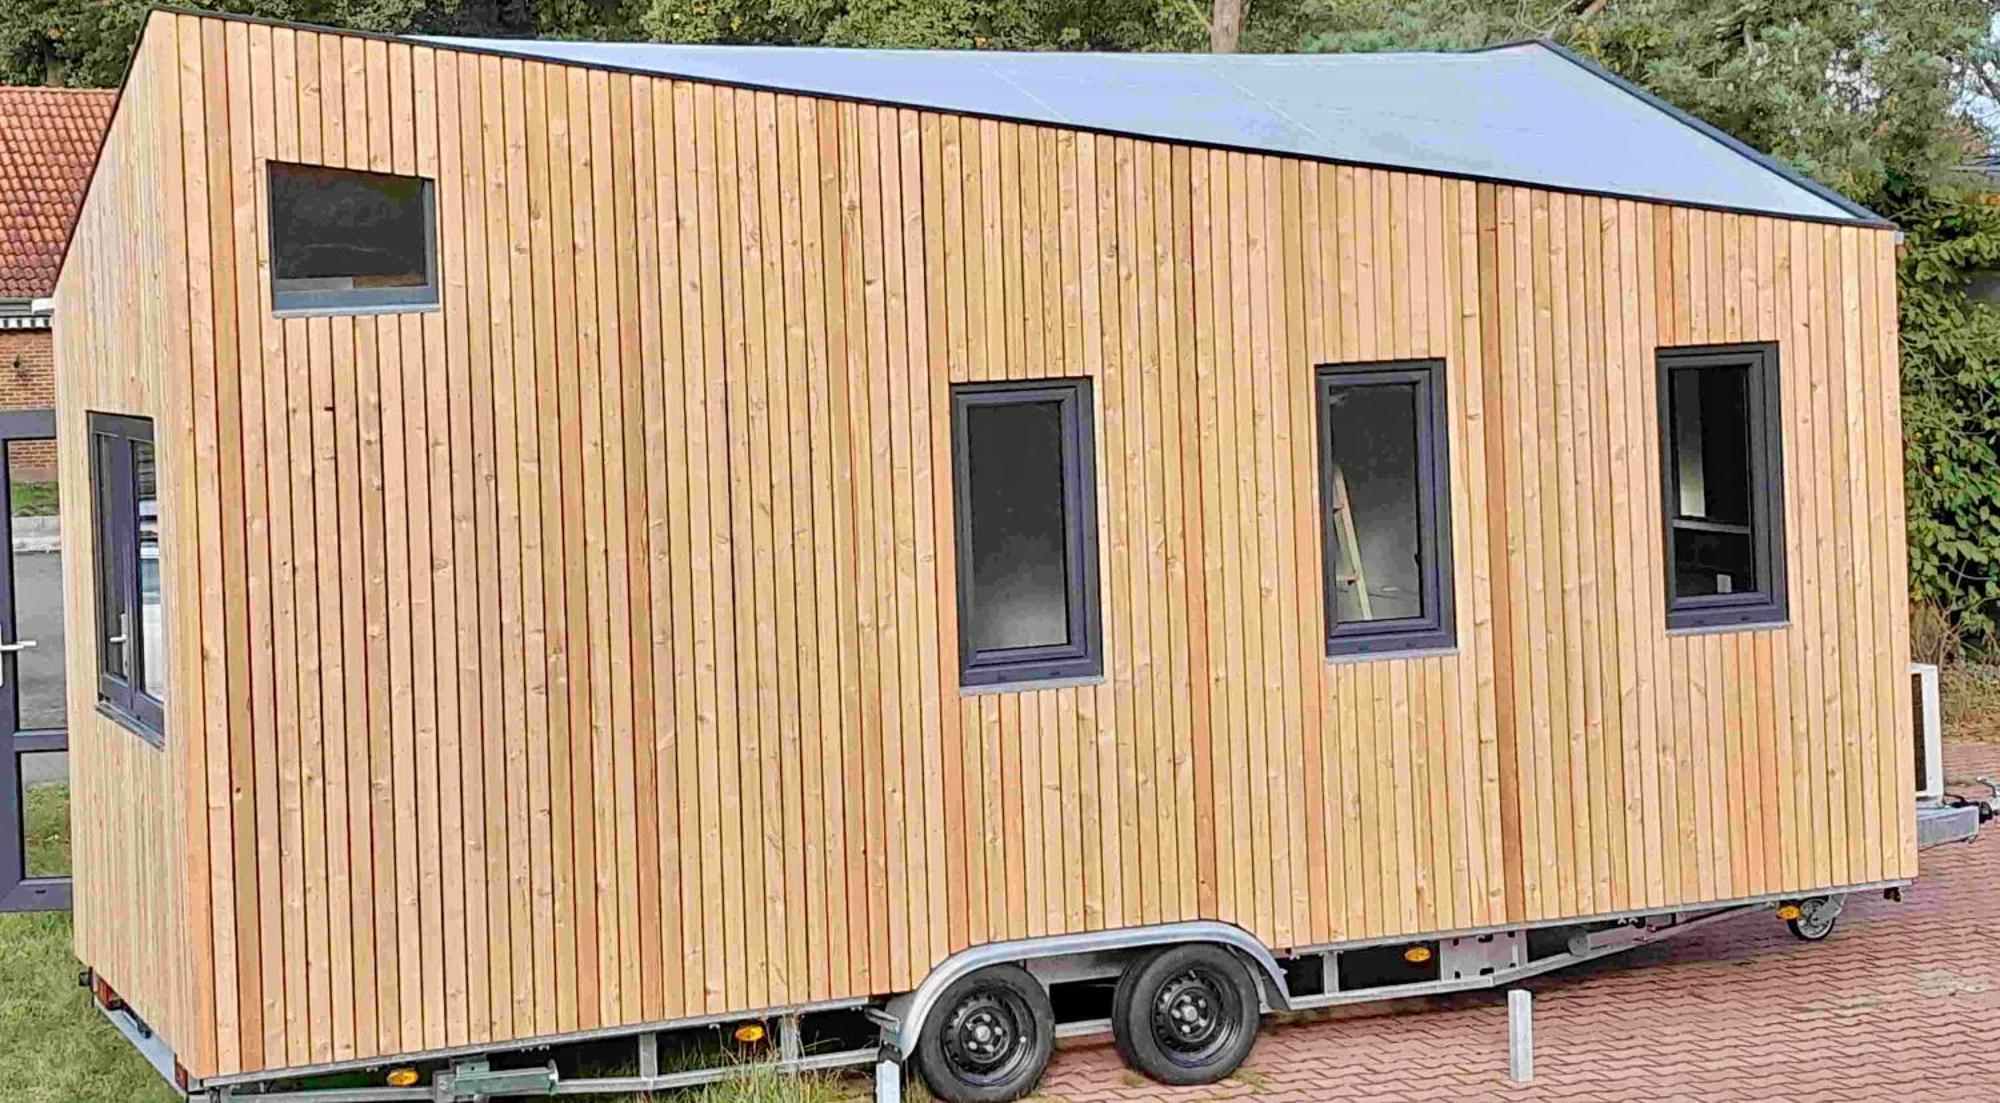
[(575, 542)]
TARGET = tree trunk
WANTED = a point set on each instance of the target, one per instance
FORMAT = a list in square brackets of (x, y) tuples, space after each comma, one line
[(1225, 26)]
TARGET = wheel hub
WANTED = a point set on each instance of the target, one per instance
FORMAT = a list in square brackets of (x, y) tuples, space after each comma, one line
[(1190, 1017), (1817, 915), (984, 1037)]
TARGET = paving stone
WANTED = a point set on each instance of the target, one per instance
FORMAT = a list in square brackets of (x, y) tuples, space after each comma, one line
[(1902, 1002)]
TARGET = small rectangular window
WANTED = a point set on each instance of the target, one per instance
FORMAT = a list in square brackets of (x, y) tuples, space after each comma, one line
[(1025, 486), (1721, 464), (344, 241), (1387, 538), (131, 622)]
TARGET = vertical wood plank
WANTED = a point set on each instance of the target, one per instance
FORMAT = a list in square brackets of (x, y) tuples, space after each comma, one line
[(602, 621)]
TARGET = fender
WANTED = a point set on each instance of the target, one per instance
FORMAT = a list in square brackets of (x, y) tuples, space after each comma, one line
[(906, 1013)]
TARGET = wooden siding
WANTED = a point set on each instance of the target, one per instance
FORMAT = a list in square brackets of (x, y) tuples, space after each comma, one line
[(141, 814), (583, 653)]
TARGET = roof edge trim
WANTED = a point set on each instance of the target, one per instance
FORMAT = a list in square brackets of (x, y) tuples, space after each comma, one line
[(1858, 215), (1715, 133)]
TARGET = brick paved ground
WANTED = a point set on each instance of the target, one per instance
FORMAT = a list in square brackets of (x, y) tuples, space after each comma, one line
[(1903, 1001)]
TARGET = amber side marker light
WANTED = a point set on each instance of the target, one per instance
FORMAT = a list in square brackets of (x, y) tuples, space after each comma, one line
[(403, 1078), (750, 1032), (1789, 912), (1417, 955)]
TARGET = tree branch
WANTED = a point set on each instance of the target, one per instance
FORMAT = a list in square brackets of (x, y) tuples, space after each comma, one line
[(1200, 16)]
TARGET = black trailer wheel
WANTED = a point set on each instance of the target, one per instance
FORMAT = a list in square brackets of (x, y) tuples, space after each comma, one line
[(1816, 920), (989, 1037), (1186, 1015)]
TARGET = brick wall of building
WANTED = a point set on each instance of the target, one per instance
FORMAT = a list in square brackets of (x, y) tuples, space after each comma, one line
[(28, 382)]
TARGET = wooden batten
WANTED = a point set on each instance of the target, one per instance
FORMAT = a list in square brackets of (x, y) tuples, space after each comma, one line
[(583, 653)]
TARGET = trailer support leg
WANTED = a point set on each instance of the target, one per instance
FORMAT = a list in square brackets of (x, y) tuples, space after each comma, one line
[(790, 1045), (649, 1055), (1520, 1036), (888, 1079)]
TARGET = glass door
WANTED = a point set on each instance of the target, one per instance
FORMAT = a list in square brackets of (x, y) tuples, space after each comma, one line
[(34, 741)]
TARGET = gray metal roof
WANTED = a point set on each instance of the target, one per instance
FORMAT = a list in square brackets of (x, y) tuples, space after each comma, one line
[(1529, 113)]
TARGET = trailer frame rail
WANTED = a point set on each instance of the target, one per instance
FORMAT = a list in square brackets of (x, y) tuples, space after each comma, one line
[(1304, 979)]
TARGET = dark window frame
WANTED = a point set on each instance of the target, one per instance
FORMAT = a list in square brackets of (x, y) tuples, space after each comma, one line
[(1083, 656), (114, 506), (309, 302), (1768, 604), (1437, 628)]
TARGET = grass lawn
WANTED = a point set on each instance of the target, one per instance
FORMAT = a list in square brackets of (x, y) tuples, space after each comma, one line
[(54, 1046), (35, 499), (45, 823)]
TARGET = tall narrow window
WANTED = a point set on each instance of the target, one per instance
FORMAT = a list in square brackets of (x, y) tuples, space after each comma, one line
[(1721, 463), (1387, 539), (1025, 489), (345, 242), (131, 625)]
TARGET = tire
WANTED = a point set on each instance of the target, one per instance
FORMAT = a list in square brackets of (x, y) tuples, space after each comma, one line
[(1186, 1015), (1815, 922), (989, 1037)]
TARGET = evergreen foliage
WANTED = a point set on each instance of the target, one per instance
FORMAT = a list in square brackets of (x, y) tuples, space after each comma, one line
[(1951, 411)]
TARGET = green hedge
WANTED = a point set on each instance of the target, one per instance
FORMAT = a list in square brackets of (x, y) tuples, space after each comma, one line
[(1951, 413)]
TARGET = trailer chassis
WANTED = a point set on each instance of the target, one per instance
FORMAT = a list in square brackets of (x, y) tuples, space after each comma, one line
[(1301, 979)]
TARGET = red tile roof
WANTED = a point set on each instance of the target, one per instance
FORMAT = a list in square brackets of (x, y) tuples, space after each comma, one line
[(48, 141)]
